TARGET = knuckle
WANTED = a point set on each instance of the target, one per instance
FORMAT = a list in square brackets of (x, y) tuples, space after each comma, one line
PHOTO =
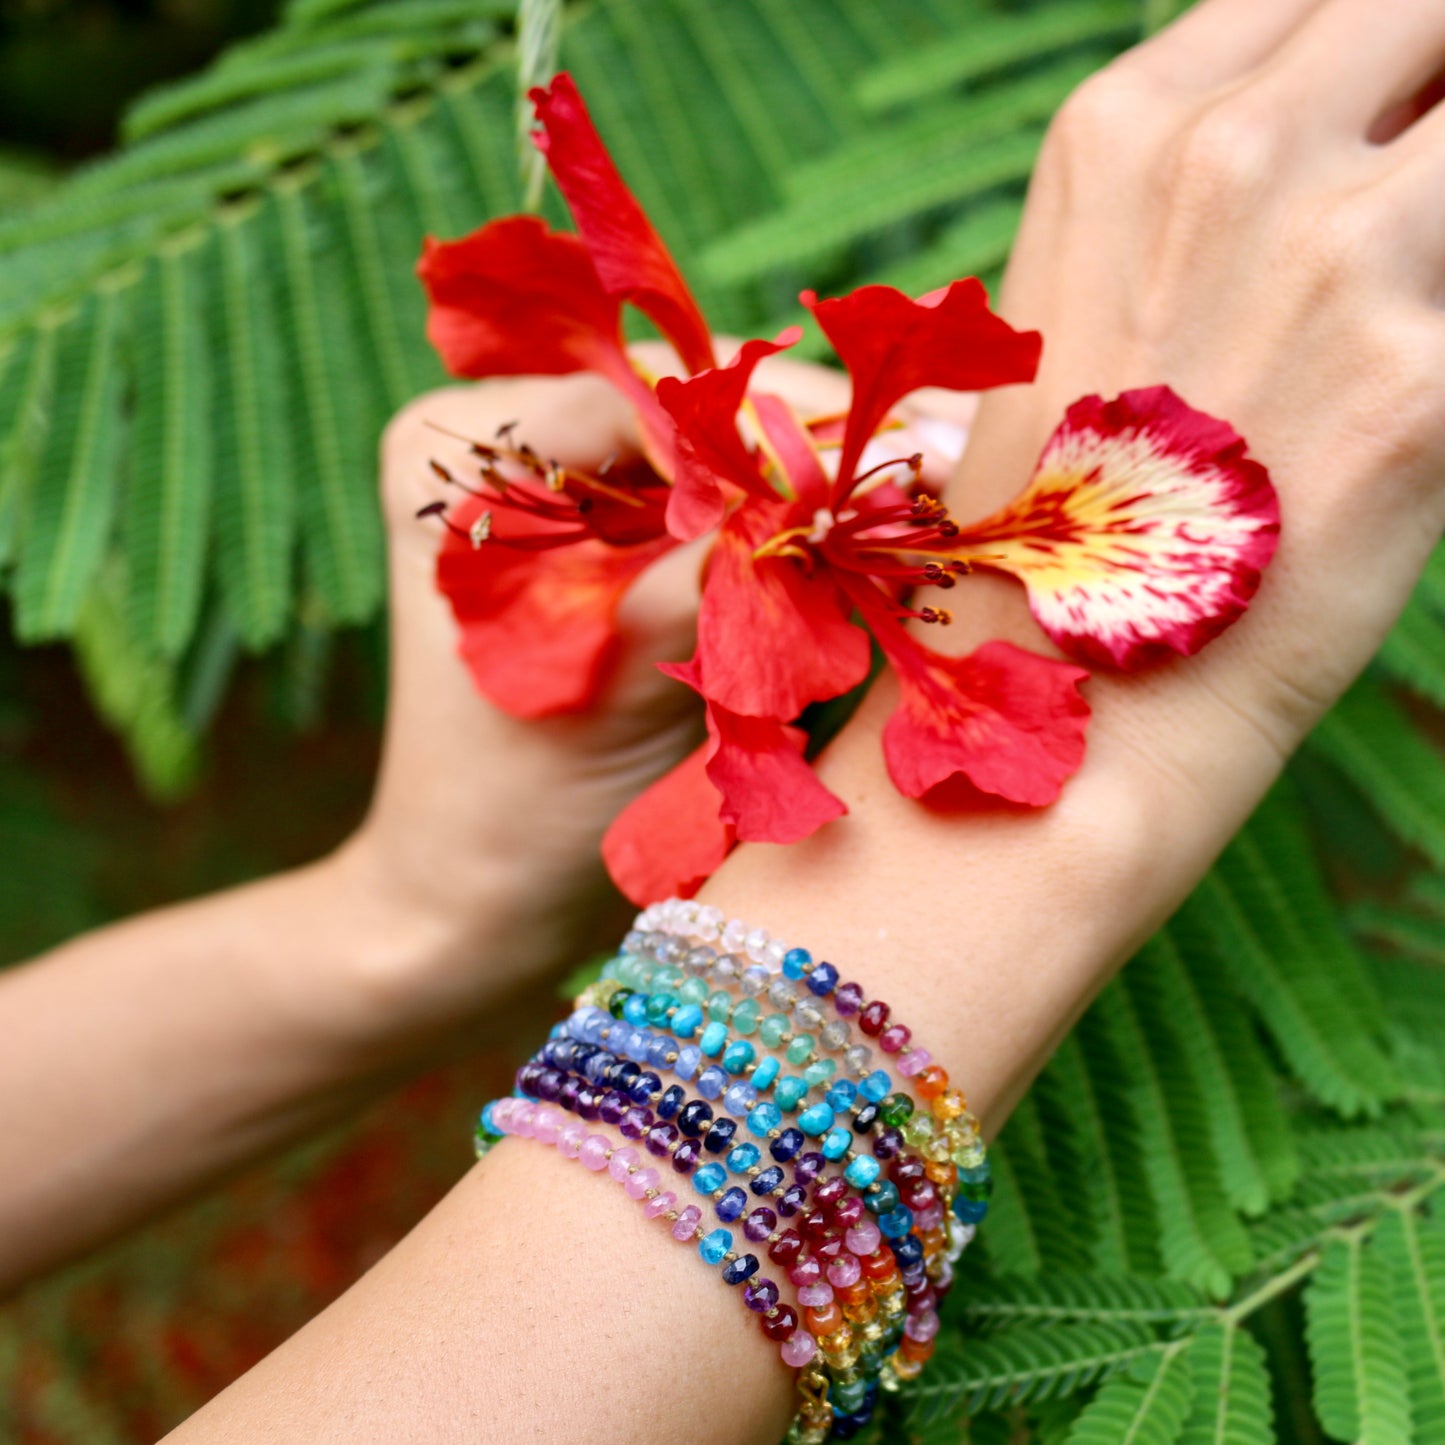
[(1113, 108), (1228, 153)]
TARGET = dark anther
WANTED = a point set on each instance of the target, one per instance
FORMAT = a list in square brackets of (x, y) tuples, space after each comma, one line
[(947, 528), (506, 429), (947, 580), (432, 509), (441, 471), (932, 571)]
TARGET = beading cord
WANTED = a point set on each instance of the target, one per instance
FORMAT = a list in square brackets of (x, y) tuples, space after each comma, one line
[(671, 1003)]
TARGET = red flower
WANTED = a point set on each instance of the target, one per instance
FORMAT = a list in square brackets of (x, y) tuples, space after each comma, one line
[(1143, 531)]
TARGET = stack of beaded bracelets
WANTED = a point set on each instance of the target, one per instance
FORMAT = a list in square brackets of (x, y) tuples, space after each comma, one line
[(886, 1185)]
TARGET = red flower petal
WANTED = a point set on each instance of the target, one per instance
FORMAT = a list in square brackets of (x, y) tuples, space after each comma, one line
[(770, 794), (796, 449), (709, 451), (519, 299), (1143, 531), (893, 345), (669, 840), (629, 255), (1009, 721), (538, 628), (773, 634)]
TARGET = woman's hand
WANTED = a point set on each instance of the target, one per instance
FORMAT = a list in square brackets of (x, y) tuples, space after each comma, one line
[(484, 831), (1243, 209)]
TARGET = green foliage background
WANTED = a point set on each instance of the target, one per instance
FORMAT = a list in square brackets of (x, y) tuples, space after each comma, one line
[(1215, 1219)]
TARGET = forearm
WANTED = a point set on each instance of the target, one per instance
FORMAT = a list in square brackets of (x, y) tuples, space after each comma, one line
[(145, 1058)]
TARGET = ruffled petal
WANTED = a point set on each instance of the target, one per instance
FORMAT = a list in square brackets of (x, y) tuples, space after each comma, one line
[(704, 409), (770, 794), (538, 627), (773, 634), (893, 345), (1009, 721), (795, 448), (631, 260), (670, 839), (1143, 532), (517, 298)]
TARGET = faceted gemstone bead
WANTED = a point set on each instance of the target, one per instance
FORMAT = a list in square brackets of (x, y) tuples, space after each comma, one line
[(791, 1200), (852, 1295), (782, 994), (742, 1157), (720, 1006), (919, 1129), (773, 1030), (857, 1058), (816, 1120), (907, 1250), (634, 1011), (797, 962), (875, 1087), (896, 1222), (709, 1178), (754, 979), (788, 1092), (740, 1099), (919, 1350), (799, 1349), (639, 1182), (943, 1175), (896, 1110), (878, 1265), (644, 1086), (547, 1123), (780, 1323), (887, 1144), (819, 1072), (847, 1000), (618, 1002), (822, 979), (807, 1167), (766, 1117), (766, 1071), (622, 1162), (808, 1015), (660, 1204), (694, 1118), (787, 1144), (949, 1104), (719, 1138), (814, 1226), (746, 1015), (687, 1020), (835, 1034), (659, 1005), (894, 1038), (731, 1205), (873, 1018), (815, 1296), (684, 1226), (843, 1095), (786, 1248), (864, 1117), (738, 1055), (735, 1271), (692, 991), (921, 1326), (806, 1270), (713, 1245), (823, 1320), (570, 1093), (689, 1058), (920, 1193), (712, 1039), (570, 1137), (845, 1271), (930, 1081), (829, 1192), (800, 1049), (686, 1155), (914, 1062), (673, 1098), (848, 1212), (635, 1121), (969, 1211), (760, 1296), (589, 1100), (661, 1138), (760, 1224), (765, 1183), (882, 1197), (862, 1172), (711, 1082)]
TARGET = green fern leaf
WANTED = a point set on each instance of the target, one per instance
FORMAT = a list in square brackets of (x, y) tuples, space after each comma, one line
[(1231, 1390), (1373, 744), (992, 42), (1414, 1250), (1017, 1366), (1098, 1298), (978, 245), (255, 504), (1011, 1243), (1142, 1405), (1360, 1391), (1200, 1238), (170, 480), (1105, 1114), (25, 401), (1052, 1223), (74, 501), (1414, 652), (339, 516)]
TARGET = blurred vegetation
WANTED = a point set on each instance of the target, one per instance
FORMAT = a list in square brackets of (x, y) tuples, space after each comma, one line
[(1216, 1214)]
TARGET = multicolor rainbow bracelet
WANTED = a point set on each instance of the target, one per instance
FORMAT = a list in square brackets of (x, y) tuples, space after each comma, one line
[(888, 1183)]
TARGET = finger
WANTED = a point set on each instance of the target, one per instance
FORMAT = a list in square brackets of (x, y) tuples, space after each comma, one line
[(1219, 41), (1359, 60)]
